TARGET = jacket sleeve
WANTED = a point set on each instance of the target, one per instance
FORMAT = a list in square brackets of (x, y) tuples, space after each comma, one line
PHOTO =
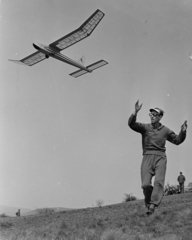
[(136, 126), (176, 139)]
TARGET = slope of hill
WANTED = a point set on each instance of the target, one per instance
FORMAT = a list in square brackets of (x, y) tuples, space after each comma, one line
[(10, 211), (45, 210), (123, 221)]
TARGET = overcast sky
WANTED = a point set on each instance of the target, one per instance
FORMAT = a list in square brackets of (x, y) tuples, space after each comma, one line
[(64, 142)]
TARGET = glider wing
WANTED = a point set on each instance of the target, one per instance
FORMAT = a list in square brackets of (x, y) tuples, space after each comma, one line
[(31, 59), (82, 32), (92, 67)]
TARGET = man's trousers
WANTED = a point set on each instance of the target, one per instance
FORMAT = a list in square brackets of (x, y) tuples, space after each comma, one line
[(181, 187), (153, 165)]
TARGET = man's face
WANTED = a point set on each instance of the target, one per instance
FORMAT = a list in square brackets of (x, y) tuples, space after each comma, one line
[(155, 117)]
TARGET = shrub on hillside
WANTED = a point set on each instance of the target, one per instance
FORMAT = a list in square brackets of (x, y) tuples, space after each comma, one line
[(171, 189), (44, 210), (99, 203), (188, 189), (3, 215), (129, 197)]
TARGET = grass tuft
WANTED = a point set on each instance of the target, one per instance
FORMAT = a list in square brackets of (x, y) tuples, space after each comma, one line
[(6, 224), (114, 234)]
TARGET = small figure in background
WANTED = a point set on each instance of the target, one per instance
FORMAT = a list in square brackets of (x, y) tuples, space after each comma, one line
[(181, 179), (18, 214)]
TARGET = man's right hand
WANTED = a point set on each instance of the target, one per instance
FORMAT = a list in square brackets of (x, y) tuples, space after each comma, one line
[(137, 107)]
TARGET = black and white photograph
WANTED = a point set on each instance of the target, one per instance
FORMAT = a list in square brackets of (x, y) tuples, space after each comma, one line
[(95, 119)]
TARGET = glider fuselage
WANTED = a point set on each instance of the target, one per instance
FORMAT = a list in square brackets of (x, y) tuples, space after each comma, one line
[(50, 52)]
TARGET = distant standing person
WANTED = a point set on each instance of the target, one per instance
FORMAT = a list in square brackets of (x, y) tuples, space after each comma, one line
[(18, 214), (181, 179), (154, 136)]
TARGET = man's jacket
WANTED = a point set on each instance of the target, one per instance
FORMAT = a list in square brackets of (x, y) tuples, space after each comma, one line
[(153, 140), (181, 179)]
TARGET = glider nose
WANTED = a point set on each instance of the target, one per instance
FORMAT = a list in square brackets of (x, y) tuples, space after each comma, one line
[(35, 45)]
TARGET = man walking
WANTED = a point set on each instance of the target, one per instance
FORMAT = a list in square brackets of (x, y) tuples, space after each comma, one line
[(154, 136), (181, 179)]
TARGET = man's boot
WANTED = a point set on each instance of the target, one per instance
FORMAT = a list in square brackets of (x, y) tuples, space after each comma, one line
[(147, 193)]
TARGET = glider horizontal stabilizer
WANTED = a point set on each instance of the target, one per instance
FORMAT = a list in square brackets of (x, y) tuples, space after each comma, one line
[(92, 67)]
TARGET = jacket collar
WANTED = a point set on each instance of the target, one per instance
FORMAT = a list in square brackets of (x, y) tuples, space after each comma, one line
[(161, 126)]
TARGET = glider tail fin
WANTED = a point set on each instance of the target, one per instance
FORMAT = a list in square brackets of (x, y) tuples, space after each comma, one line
[(91, 67)]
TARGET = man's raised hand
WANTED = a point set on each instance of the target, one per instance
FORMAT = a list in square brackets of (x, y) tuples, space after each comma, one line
[(137, 107), (184, 127)]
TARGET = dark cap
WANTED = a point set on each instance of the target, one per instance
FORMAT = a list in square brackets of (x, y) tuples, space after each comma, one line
[(158, 110)]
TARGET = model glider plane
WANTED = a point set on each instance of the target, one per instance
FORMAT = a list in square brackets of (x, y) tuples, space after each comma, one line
[(53, 50)]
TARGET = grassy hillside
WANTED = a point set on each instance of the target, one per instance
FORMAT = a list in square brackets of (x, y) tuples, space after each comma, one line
[(123, 221), (44, 210)]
